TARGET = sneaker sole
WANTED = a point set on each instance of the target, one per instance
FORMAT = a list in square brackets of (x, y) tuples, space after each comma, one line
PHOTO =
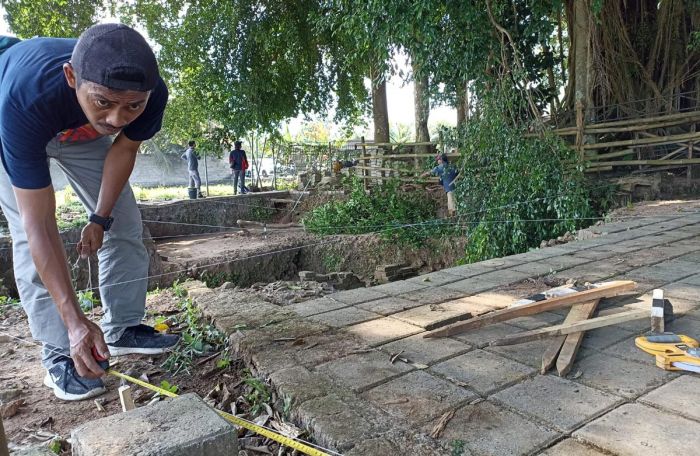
[(121, 351), (59, 393)]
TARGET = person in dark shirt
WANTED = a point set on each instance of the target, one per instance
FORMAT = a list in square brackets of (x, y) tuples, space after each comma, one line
[(239, 163), (87, 104), (192, 159)]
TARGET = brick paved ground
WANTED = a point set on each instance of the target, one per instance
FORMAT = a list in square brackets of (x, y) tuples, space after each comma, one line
[(615, 400)]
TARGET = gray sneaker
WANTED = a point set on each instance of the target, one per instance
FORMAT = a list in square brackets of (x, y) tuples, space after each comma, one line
[(142, 340), (68, 385)]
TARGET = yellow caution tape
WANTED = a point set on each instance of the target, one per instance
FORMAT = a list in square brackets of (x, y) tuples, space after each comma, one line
[(279, 438)]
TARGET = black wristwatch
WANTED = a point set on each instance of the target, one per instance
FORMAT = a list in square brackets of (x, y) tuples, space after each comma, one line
[(104, 222)]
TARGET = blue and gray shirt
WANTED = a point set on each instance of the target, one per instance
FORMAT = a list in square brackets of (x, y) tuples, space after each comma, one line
[(447, 174), (192, 161)]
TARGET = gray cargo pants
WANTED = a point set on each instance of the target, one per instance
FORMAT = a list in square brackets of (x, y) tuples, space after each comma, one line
[(123, 260)]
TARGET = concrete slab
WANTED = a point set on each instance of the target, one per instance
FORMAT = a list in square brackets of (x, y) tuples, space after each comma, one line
[(529, 353), (503, 276), (357, 296), (435, 279), (344, 317), (156, 430), (399, 287), (316, 306), (473, 285), (597, 253), (383, 330), (418, 397), (626, 349), (363, 371), (490, 430), (537, 321), (388, 306), (418, 349), (432, 295), (300, 384), (685, 325), (592, 272), (668, 271), (535, 268), (496, 299), (469, 270), (563, 404), (433, 315), (617, 376), (482, 371), (605, 337), (482, 336), (566, 261), (693, 279), (639, 430), (571, 447), (683, 290), (675, 397)]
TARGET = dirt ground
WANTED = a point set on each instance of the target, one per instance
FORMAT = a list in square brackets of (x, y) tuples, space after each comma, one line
[(652, 208)]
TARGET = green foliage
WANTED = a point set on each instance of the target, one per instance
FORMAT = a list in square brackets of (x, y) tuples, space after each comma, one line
[(6, 303), (164, 384), (261, 213), (88, 300), (515, 191), (386, 210), (457, 448), (198, 339), (258, 393), (57, 18)]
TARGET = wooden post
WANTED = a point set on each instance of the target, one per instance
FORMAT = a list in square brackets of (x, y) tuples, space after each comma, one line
[(689, 174), (580, 125), (365, 172), (126, 399), (3, 440)]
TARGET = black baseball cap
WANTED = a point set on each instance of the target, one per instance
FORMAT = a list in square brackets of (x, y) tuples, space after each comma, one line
[(115, 56)]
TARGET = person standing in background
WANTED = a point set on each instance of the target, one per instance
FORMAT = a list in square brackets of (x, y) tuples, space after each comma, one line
[(239, 163), (193, 167)]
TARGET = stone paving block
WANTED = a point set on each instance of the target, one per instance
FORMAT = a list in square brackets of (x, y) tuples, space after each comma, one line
[(605, 337), (559, 402), (472, 285), (469, 270), (668, 271), (502, 262), (684, 325), (388, 306), (571, 447), (433, 315), (693, 280), (339, 422), (344, 317), (537, 321), (639, 430), (529, 353), (432, 295), (482, 336), (300, 384), (591, 272), (357, 296), (503, 277), (535, 268), (627, 350), (693, 257), (490, 430), (157, 430), (426, 351), (382, 330), (496, 299), (316, 306), (435, 279), (681, 290), (597, 253), (418, 397), (565, 261), (327, 347), (363, 371), (677, 396), (623, 378), (482, 371), (399, 287)]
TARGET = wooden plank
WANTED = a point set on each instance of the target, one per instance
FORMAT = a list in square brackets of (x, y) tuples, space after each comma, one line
[(616, 125), (679, 161), (670, 139), (572, 341), (369, 157), (126, 399), (558, 330), (607, 290), (620, 153), (578, 312)]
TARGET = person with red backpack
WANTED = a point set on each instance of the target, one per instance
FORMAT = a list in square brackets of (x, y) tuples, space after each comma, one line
[(239, 164)]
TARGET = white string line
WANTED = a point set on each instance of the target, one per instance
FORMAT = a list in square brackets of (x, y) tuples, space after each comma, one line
[(56, 352), (437, 221)]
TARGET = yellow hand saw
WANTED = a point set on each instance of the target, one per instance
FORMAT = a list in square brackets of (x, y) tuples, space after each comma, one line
[(672, 351)]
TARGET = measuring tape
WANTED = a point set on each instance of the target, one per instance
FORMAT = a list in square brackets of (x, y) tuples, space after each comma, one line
[(279, 438)]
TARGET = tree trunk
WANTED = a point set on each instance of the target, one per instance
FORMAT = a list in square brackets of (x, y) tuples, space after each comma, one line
[(581, 40), (462, 105), (380, 111), (421, 100)]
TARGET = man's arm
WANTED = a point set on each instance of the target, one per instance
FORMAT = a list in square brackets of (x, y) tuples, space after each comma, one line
[(38, 211), (117, 168)]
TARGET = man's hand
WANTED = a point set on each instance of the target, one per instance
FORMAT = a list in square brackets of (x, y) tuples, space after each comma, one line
[(90, 240), (83, 336)]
